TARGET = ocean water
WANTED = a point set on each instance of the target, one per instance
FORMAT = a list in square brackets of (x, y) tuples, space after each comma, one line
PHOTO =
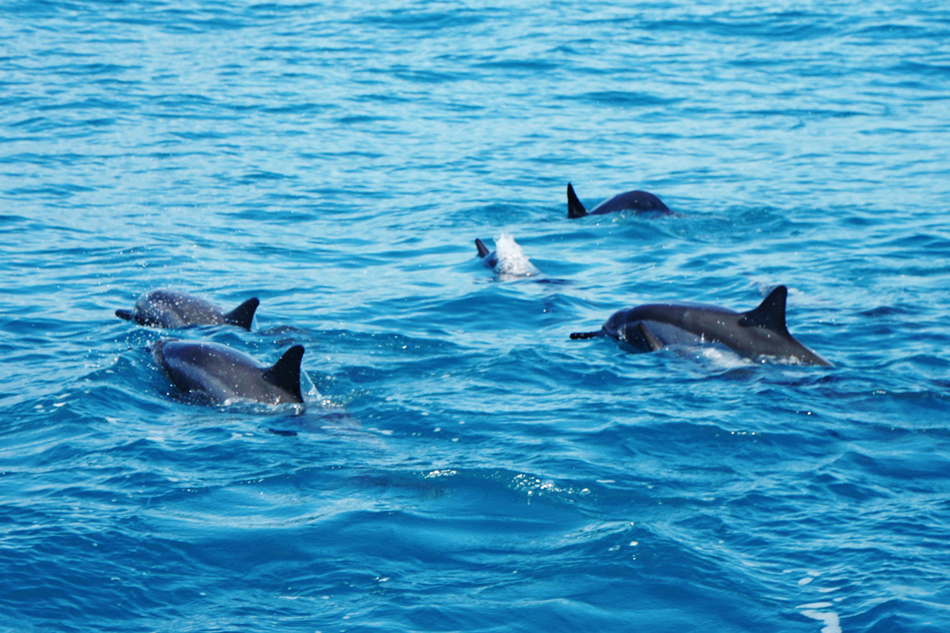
[(461, 464)]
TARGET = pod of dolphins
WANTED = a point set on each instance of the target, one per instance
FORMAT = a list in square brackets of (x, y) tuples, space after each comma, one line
[(214, 373), (211, 372)]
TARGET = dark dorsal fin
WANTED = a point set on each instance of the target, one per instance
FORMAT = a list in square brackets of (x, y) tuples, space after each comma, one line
[(243, 315), (770, 313), (482, 249), (574, 207), (124, 314), (285, 373)]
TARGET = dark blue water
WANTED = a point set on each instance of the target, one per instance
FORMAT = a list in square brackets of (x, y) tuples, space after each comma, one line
[(461, 464)]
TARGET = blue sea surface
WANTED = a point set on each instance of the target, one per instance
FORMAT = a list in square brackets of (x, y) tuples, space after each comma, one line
[(461, 464)]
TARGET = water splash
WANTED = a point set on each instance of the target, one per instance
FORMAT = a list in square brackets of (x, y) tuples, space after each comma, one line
[(512, 261)]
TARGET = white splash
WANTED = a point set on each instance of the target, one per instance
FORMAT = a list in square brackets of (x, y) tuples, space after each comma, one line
[(511, 259), (723, 357)]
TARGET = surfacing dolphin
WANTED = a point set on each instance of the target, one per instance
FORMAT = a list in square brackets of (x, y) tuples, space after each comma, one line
[(174, 309), (508, 260), (637, 201), (758, 333), (218, 374)]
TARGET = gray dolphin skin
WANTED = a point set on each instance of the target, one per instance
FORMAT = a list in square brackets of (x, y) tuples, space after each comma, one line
[(217, 373), (489, 258), (638, 201), (757, 334), (174, 309)]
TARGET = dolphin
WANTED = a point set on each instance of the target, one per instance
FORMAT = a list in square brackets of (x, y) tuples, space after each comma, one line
[(755, 334), (508, 260), (218, 373), (637, 201), (173, 309)]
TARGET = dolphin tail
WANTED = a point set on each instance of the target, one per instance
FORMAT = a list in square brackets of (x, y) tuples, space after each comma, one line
[(482, 249), (124, 314), (285, 373), (574, 207), (580, 336), (243, 315)]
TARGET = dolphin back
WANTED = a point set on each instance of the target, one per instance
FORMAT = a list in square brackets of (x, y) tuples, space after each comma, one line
[(770, 315), (636, 201), (217, 373), (165, 308), (759, 333)]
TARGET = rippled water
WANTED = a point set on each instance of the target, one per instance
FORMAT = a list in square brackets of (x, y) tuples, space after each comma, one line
[(462, 464)]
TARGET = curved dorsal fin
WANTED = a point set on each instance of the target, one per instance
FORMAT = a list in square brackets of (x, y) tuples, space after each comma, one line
[(482, 249), (243, 315), (770, 313), (574, 207), (285, 373)]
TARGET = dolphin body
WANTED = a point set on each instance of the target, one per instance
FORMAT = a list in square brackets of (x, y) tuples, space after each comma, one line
[(173, 309), (507, 260), (637, 201), (217, 373), (758, 333)]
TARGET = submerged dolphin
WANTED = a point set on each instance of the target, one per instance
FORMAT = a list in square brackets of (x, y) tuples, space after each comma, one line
[(218, 373), (508, 260), (757, 333), (174, 309), (638, 201)]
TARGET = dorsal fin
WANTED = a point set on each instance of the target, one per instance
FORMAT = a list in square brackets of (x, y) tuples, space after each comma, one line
[(285, 373), (770, 313), (243, 315), (124, 314), (482, 249), (574, 207)]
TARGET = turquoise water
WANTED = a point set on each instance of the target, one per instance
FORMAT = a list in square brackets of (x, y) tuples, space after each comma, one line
[(461, 464)]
